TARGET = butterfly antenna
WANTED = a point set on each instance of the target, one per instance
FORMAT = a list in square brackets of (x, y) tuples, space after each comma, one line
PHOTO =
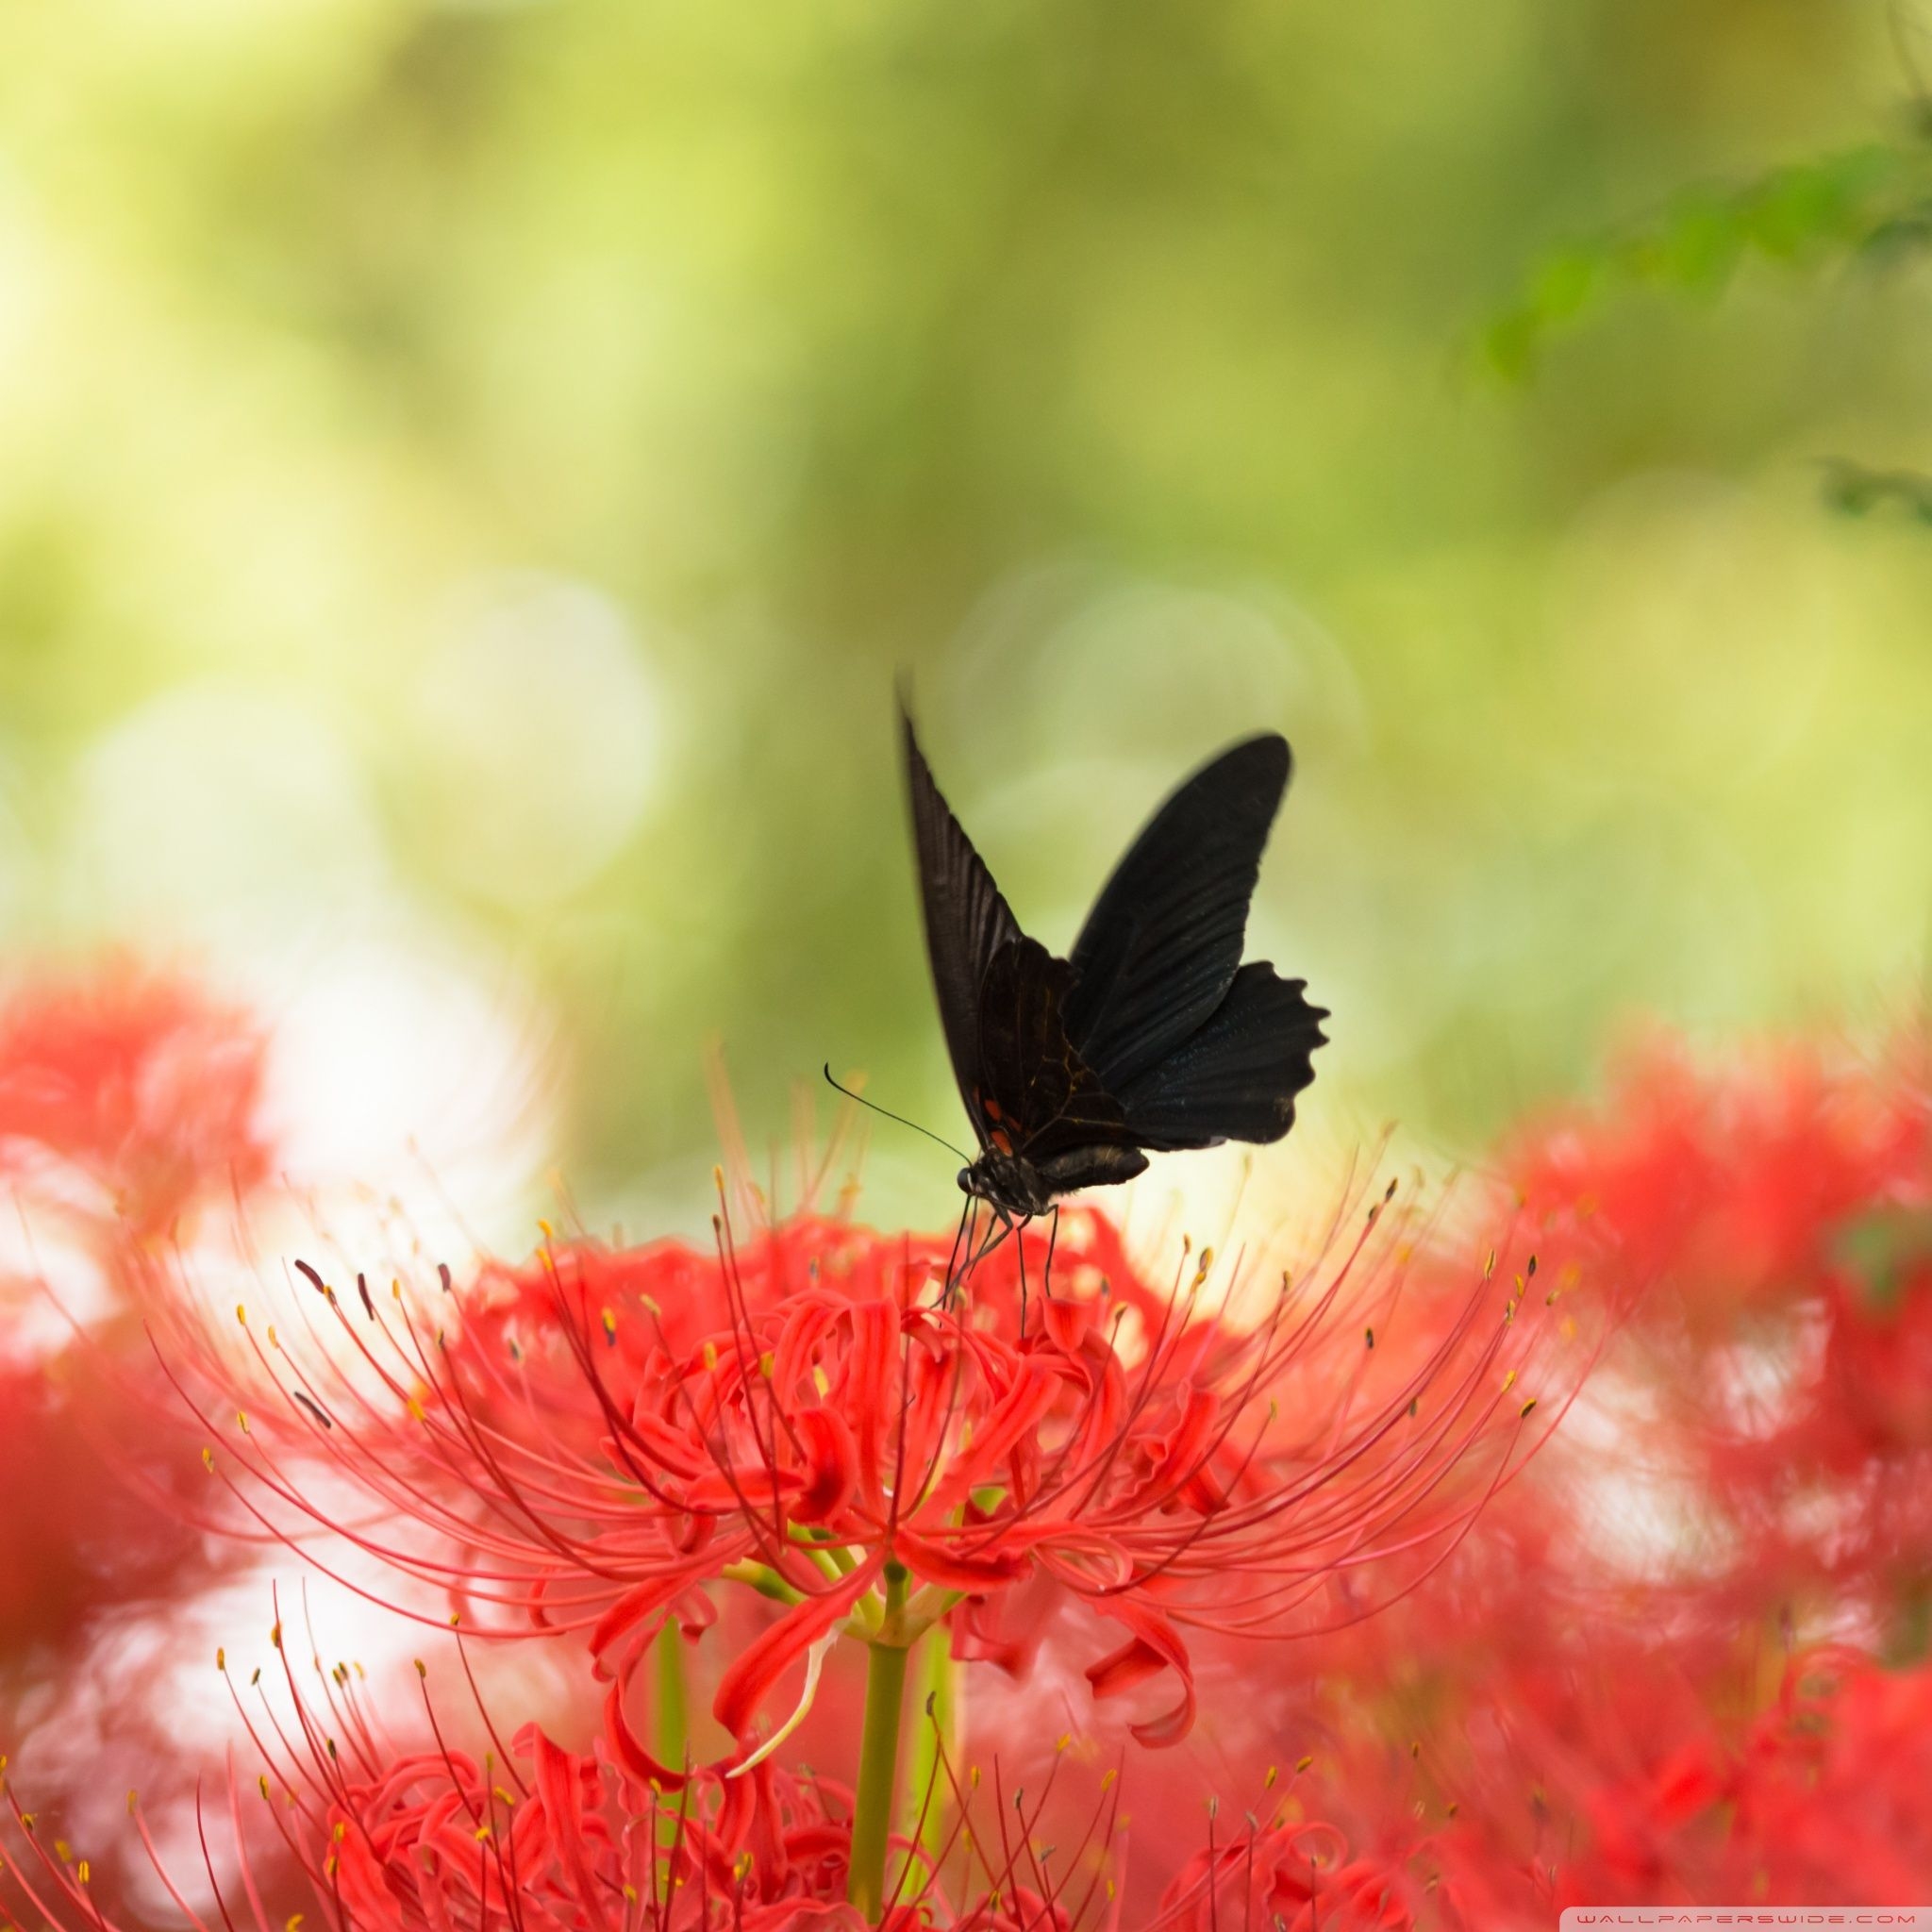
[(899, 1117)]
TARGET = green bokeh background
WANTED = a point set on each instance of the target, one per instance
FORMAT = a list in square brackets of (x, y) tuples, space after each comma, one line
[(474, 472)]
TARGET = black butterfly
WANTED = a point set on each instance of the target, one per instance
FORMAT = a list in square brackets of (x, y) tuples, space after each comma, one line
[(1153, 1034)]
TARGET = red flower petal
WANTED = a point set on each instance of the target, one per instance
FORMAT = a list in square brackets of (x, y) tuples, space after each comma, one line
[(1156, 1645), (748, 1681), (627, 1750)]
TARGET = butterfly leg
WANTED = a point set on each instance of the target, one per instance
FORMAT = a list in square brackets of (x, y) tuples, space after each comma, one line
[(1015, 1225), (962, 1241), (1020, 1247), (1053, 1235), (998, 1229)]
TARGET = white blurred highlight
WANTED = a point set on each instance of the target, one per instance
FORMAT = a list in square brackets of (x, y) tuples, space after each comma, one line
[(542, 735)]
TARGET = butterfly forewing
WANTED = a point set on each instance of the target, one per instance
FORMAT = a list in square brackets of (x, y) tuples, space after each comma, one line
[(1161, 948), (967, 922)]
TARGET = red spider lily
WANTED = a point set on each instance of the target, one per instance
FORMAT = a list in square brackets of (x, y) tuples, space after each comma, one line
[(1769, 1223), (814, 1415), (1825, 1796), (1299, 1877), (142, 1085), (534, 1837), (123, 1103), (128, 1106)]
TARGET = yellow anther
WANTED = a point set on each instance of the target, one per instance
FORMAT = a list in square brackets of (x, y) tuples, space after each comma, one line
[(133, 1801), (1274, 1773), (262, 1781), (221, 1657), (1301, 1763), (1490, 1266), (1066, 1737), (415, 1409), (765, 1364), (505, 1796), (481, 1832), (1109, 1777), (292, 1921), (421, 1669), (241, 1419), (273, 1341), (609, 1325), (62, 1850), (708, 1356), (275, 1635), (241, 1314), (82, 1872), (207, 1461), (1526, 1407), (544, 1229), (821, 1381), (630, 1895), (1509, 1381)]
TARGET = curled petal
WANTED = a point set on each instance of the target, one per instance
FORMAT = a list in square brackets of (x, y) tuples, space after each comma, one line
[(1154, 1646), (833, 1467), (628, 1753), (748, 1681), (624, 1631), (933, 1563)]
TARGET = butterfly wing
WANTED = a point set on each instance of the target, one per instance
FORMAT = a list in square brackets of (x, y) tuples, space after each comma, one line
[(967, 922), (1236, 1079), (1042, 1101), (1160, 949)]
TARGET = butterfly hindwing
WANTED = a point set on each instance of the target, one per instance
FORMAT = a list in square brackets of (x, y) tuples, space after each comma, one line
[(1159, 951), (967, 922), (1237, 1077)]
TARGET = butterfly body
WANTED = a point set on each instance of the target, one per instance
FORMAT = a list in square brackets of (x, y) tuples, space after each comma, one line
[(1152, 1034)]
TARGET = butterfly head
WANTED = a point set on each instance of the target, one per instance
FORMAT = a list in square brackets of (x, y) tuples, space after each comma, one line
[(1013, 1185)]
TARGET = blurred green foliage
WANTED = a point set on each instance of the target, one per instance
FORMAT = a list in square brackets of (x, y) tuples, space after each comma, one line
[(1877, 199), (473, 471)]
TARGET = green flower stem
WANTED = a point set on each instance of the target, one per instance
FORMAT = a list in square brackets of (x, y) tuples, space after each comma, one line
[(936, 1724), (766, 1581), (879, 1760), (670, 1717)]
